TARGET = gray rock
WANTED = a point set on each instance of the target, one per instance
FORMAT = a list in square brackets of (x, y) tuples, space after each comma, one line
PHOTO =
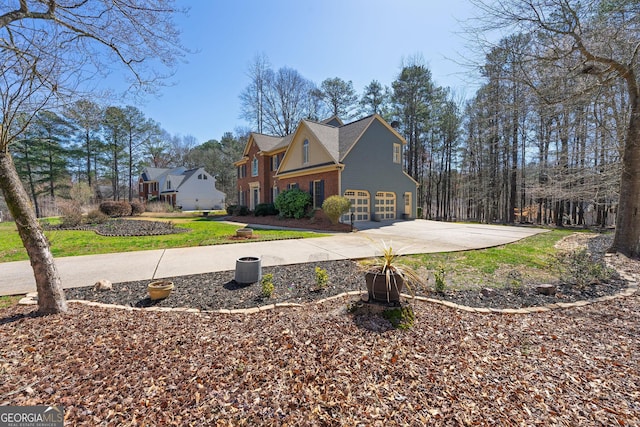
[(103, 285)]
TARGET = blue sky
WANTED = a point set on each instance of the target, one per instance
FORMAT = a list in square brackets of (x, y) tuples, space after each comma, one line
[(357, 40)]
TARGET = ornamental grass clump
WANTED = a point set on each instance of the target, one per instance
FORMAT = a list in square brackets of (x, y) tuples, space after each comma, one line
[(396, 275)]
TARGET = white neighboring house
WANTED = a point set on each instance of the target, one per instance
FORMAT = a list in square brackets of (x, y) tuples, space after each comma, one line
[(189, 190)]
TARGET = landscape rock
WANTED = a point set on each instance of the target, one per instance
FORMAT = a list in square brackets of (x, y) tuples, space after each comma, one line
[(103, 285), (546, 289), (488, 292)]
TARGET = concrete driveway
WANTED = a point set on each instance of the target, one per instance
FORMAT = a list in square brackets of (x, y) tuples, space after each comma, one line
[(406, 237)]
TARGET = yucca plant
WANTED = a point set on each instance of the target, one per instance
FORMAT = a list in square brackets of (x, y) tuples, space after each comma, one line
[(386, 277)]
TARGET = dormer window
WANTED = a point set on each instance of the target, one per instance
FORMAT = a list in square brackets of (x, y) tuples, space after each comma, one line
[(254, 167), (305, 152)]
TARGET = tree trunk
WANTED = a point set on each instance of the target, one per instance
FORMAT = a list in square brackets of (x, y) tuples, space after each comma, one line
[(50, 294), (627, 236)]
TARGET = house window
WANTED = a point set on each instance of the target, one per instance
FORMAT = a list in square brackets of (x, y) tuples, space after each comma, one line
[(316, 189), (202, 176), (254, 167), (292, 186), (168, 184), (275, 193), (275, 162), (397, 153), (305, 152)]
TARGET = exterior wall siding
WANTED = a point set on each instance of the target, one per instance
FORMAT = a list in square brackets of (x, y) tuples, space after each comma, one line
[(317, 154), (369, 166)]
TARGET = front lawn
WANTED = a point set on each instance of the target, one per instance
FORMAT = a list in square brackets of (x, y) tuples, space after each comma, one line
[(72, 242)]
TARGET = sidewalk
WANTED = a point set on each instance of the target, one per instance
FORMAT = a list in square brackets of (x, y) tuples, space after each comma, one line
[(406, 237)]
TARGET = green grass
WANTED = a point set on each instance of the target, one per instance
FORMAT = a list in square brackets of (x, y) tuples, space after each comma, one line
[(532, 258), (9, 301), (70, 242)]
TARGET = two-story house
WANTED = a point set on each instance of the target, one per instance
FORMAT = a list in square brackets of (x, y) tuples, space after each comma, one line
[(188, 189), (361, 160)]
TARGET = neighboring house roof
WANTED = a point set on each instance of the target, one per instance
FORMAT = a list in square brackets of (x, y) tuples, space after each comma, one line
[(178, 176)]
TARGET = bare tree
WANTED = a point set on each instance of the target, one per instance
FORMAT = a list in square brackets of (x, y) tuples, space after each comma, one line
[(49, 51), (601, 39), (253, 97), (286, 101)]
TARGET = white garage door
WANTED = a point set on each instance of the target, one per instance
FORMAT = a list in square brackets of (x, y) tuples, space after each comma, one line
[(385, 205), (360, 202)]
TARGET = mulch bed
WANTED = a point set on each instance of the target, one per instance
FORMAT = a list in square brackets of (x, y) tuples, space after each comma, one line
[(321, 365), (297, 284)]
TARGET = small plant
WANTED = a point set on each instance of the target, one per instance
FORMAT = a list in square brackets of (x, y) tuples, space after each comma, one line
[(578, 268), (515, 281), (439, 276), (267, 285), (388, 267), (322, 278), (336, 206), (401, 317)]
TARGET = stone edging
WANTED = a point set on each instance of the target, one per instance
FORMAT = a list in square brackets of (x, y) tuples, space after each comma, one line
[(632, 288)]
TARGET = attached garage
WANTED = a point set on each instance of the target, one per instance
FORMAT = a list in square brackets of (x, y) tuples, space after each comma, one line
[(360, 205), (385, 205)]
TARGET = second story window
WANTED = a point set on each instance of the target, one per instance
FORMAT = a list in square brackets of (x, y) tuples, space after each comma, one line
[(254, 167), (275, 162), (397, 153), (168, 184), (305, 152)]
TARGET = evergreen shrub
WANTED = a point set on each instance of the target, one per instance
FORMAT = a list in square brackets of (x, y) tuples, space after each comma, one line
[(293, 203), (265, 209)]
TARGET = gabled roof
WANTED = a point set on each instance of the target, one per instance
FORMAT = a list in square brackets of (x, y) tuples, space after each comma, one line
[(351, 133), (328, 137), (266, 142), (337, 138), (154, 174), (333, 121), (284, 143)]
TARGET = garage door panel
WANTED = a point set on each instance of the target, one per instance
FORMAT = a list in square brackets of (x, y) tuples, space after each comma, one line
[(360, 205), (385, 205)]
